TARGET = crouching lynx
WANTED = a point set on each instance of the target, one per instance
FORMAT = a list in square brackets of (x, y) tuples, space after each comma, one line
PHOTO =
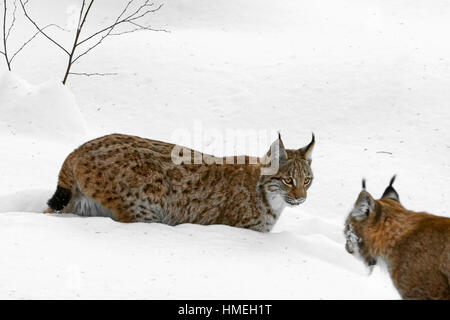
[(414, 245), (132, 179)]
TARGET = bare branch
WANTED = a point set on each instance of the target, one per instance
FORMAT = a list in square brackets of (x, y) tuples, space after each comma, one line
[(13, 19), (6, 34), (104, 36), (40, 29), (109, 27), (92, 74), (81, 14), (90, 48), (143, 14), (81, 21), (34, 36), (129, 18), (140, 28), (5, 48), (147, 27)]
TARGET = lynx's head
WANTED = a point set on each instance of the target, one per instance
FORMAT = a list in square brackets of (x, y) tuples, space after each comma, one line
[(289, 184), (365, 215)]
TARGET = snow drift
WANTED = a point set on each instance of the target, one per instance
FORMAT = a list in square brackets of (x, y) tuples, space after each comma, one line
[(47, 111)]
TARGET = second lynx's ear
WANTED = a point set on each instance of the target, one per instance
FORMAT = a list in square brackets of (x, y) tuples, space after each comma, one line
[(307, 151), (363, 206), (390, 192)]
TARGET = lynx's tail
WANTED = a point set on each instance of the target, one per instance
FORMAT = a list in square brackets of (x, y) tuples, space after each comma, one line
[(63, 192), (60, 199)]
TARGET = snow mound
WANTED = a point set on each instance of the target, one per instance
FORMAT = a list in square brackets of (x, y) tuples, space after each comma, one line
[(45, 111)]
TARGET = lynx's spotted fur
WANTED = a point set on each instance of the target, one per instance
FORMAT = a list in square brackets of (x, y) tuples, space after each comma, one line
[(414, 245), (132, 179)]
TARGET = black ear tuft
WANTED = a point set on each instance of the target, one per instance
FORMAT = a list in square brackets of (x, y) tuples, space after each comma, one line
[(390, 192), (364, 183), (392, 180), (307, 150)]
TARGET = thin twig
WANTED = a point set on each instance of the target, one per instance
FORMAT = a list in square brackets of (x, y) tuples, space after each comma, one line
[(131, 17), (93, 74), (40, 29), (111, 26), (109, 29), (13, 19), (139, 28), (34, 36), (81, 14), (103, 37), (5, 47), (81, 21)]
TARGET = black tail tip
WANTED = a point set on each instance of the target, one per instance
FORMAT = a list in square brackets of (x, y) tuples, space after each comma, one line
[(60, 199)]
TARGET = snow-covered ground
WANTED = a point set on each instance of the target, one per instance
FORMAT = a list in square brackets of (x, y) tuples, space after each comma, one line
[(370, 78)]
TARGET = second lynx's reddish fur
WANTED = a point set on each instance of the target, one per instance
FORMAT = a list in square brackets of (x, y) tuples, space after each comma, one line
[(133, 179), (414, 245)]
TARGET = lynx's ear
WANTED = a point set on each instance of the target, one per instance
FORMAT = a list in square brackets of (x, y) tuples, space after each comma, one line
[(363, 206), (277, 150), (390, 192), (307, 151)]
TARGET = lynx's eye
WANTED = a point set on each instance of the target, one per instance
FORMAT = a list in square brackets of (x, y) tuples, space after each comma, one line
[(287, 180), (307, 181)]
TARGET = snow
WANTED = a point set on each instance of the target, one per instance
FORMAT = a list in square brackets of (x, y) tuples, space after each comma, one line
[(29, 110), (75, 257), (370, 78)]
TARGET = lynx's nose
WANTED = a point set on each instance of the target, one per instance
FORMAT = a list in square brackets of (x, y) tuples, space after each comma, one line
[(301, 200), (295, 202)]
